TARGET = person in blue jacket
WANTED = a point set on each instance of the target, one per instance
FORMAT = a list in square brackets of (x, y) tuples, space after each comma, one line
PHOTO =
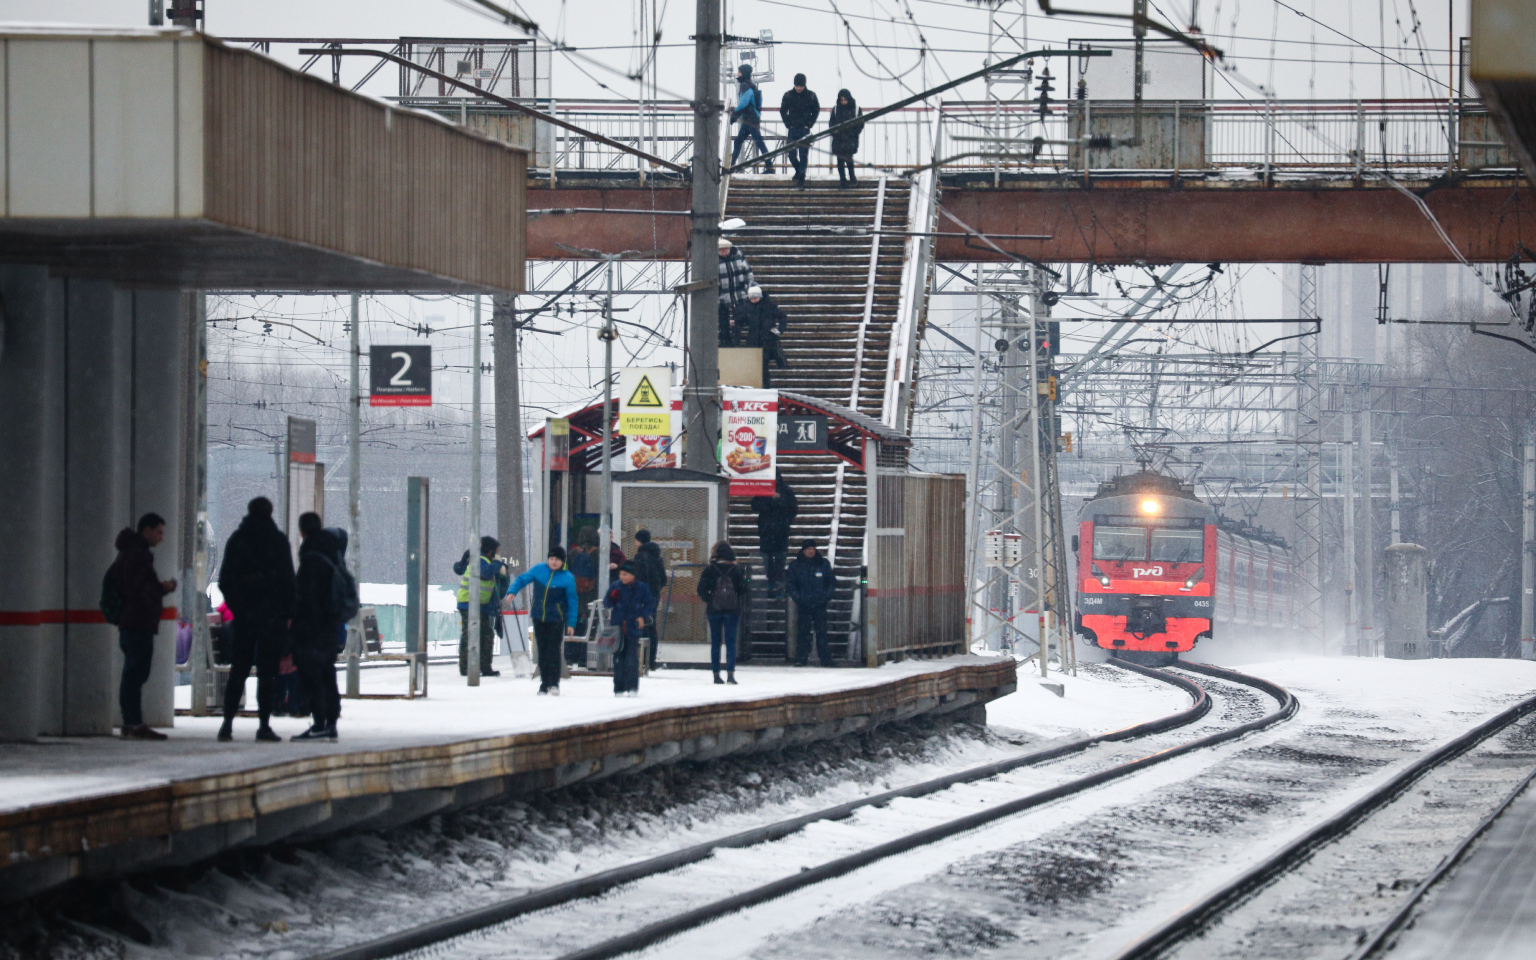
[(749, 116), (552, 604), (632, 606)]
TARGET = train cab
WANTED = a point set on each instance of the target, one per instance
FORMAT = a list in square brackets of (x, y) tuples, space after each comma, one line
[(1146, 566)]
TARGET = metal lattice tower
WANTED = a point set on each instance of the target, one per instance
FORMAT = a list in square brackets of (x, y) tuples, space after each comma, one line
[(1309, 462), (1018, 578)]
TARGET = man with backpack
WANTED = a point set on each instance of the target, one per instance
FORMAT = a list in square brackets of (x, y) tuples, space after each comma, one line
[(552, 605), (723, 588), (325, 599), (256, 579), (651, 570), (749, 116), (811, 583), (132, 597)]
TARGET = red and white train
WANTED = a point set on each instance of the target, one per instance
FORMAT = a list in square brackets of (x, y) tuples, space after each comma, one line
[(1159, 571)]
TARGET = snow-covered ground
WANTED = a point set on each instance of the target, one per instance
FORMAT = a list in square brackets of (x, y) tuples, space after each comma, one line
[(1077, 878)]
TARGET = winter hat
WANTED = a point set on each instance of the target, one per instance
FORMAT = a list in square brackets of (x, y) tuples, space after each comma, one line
[(799, 79), (808, 544), (724, 244), (723, 551), (754, 292), (627, 567), (744, 71), (558, 552), (643, 536)]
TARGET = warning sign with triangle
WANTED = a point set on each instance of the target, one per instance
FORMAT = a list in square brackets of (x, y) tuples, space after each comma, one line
[(645, 396), (645, 402)]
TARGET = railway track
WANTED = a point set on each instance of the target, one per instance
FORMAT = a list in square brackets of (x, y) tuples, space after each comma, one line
[(1199, 921), (436, 935)]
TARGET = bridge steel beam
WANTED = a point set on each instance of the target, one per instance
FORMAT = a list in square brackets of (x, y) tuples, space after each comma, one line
[(1116, 221), (1242, 222)]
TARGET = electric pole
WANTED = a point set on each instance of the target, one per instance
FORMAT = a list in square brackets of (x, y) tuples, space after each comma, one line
[(354, 494), (472, 604), (1528, 549), (701, 410), (510, 529)]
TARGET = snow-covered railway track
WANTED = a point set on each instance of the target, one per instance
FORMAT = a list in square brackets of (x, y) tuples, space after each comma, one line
[(526, 925), (1325, 890)]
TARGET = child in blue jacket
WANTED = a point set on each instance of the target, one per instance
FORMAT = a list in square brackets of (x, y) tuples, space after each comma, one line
[(632, 607), (552, 604)]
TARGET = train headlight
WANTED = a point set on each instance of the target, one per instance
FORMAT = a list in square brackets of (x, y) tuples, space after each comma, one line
[(1150, 506), (1103, 577), (1194, 578)]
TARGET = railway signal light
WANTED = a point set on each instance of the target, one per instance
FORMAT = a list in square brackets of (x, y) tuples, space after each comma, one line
[(1066, 443)]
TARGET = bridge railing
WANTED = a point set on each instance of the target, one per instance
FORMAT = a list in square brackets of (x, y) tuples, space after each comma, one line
[(1274, 140)]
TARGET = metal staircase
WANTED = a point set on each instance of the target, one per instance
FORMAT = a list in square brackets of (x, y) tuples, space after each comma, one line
[(833, 259)]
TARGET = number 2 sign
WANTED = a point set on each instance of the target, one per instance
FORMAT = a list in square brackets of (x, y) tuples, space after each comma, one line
[(400, 376)]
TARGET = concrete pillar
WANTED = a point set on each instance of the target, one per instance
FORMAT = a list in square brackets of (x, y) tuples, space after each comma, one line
[(32, 353), (97, 404), (1405, 613), (160, 320)]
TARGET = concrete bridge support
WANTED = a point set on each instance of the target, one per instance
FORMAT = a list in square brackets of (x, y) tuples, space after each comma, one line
[(90, 386)]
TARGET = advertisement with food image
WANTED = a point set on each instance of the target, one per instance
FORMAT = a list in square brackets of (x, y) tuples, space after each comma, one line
[(749, 439), (651, 452)]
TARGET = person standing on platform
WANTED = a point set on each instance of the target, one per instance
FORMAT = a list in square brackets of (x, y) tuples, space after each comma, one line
[(723, 588), (775, 514), (632, 608), (323, 602), (811, 583), (141, 596), (799, 109), (490, 607), (551, 606), (736, 281), (257, 581), (651, 570)]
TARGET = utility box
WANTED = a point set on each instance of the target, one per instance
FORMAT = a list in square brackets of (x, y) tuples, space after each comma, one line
[(1405, 615)]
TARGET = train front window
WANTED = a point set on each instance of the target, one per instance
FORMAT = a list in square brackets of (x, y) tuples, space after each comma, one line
[(1173, 545), (1119, 543)]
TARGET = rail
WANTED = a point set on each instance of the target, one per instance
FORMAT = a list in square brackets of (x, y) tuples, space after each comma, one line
[(440, 930)]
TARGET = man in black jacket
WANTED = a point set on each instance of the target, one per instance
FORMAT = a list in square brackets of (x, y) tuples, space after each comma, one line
[(650, 570), (257, 582), (762, 322), (317, 625), (774, 515), (811, 583), (799, 110), (142, 593)]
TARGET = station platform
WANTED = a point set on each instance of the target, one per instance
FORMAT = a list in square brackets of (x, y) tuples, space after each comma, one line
[(1486, 908), (73, 807)]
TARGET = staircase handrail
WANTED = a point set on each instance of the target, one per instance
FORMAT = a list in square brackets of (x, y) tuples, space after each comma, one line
[(916, 278)]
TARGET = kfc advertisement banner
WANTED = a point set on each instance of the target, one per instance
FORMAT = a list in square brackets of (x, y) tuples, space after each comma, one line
[(749, 439)]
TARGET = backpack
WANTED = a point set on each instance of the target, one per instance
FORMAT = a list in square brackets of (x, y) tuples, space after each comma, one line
[(344, 602), (111, 602), (723, 598)]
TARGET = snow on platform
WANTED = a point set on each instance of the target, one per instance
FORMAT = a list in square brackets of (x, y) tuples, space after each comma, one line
[(99, 806)]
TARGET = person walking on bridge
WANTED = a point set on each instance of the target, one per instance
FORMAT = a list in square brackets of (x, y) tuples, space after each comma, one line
[(141, 599), (811, 584), (799, 109), (749, 116), (845, 143), (736, 281), (257, 581), (763, 323)]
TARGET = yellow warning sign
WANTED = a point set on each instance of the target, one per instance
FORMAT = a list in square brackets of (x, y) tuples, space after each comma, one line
[(645, 402), (644, 395)]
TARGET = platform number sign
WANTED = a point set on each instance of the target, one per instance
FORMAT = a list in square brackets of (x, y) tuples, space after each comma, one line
[(400, 376)]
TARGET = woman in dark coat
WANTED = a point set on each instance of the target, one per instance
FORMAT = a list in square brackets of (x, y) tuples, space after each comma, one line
[(723, 607), (845, 143)]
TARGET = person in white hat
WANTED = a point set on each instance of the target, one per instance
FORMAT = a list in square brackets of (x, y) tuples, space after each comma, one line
[(760, 323), (735, 281)]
